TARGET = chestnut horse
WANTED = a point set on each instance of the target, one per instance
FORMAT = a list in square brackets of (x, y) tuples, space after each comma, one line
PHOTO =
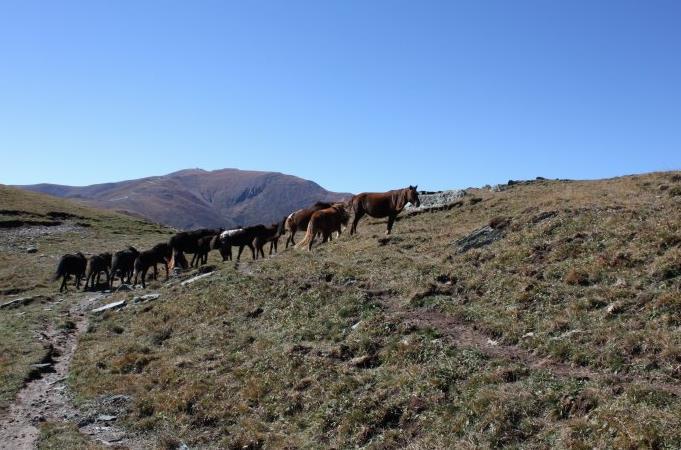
[(382, 204), (325, 221), (298, 220)]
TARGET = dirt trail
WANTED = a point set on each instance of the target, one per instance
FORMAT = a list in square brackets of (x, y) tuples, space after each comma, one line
[(47, 398), (464, 334)]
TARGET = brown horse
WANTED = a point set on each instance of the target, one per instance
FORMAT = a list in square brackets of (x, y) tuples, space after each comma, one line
[(123, 263), (239, 237), (325, 221), (271, 234), (96, 264), (382, 204), (159, 254), (298, 220)]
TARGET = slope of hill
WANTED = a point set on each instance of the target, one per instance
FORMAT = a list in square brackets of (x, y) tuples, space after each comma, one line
[(545, 315), (197, 198), (35, 230), (537, 315)]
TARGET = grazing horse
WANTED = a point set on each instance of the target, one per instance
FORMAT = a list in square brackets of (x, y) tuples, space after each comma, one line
[(97, 264), (159, 254), (187, 242), (123, 263), (240, 237), (325, 221), (70, 265), (382, 204), (271, 235), (298, 220)]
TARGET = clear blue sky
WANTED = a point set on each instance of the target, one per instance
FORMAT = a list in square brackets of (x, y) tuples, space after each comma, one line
[(356, 95)]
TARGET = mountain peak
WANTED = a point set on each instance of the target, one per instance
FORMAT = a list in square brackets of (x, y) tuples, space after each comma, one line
[(193, 198)]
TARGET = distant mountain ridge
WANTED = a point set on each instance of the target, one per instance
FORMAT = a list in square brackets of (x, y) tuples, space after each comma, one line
[(194, 198)]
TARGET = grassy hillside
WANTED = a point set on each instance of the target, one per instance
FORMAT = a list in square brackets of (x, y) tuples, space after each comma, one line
[(54, 227), (562, 333)]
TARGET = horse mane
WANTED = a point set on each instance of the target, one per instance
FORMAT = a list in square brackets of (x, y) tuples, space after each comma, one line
[(322, 205), (400, 198)]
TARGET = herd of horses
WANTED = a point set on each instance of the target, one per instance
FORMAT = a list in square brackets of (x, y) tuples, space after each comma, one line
[(319, 219)]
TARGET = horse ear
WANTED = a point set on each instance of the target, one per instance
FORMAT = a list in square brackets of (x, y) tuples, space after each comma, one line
[(416, 187)]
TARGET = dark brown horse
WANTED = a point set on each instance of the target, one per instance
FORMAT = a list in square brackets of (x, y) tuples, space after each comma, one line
[(382, 204), (240, 237), (70, 265), (271, 234), (203, 246), (298, 220), (187, 242), (123, 263), (325, 221), (158, 254), (96, 264)]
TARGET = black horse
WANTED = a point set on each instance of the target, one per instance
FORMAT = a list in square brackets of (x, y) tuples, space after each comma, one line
[(240, 237), (188, 242), (97, 264), (158, 254), (70, 265), (123, 263)]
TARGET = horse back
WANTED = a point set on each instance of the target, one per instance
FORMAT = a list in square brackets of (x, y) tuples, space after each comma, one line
[(376, 204)]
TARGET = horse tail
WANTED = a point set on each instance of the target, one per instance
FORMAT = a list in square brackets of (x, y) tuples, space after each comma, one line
[(309, 234)]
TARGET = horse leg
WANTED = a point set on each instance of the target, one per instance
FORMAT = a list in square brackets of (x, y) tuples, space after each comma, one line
[(391, 221), (252, 250), (63, 284), (290, 238), (144, 276), (358, 215), (241, 249), (155, 272)]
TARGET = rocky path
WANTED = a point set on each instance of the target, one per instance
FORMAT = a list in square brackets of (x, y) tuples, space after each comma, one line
[(46, 397)]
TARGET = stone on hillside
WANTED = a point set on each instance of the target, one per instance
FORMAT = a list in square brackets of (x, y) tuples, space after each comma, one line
[(145, 298), (109, 307), (479, 238), (32, 250), (196, 278), (106, 418), (436, 200)]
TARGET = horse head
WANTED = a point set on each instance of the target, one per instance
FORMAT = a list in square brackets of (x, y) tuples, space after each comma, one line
[(412, 196)]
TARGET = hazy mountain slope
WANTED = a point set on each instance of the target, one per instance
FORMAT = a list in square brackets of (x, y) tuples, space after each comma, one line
[(198, 198)]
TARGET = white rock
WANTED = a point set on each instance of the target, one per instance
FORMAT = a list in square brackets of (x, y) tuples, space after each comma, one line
[(109, 307), (145, 298), (196, 278)]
